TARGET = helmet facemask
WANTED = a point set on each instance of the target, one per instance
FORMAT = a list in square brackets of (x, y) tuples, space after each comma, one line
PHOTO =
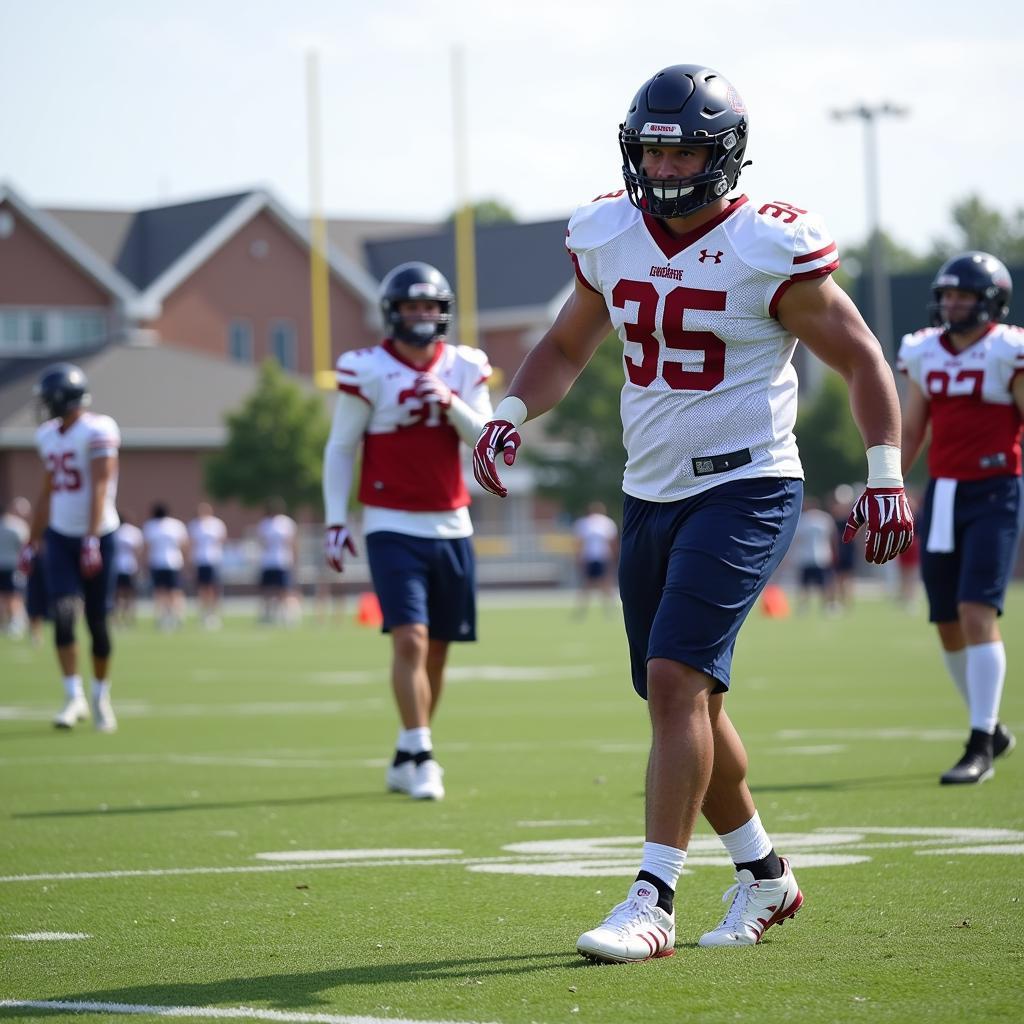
[(983, 276), (419, 333)]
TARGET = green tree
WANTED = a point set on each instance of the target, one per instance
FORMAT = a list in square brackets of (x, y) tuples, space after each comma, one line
[(587, 459), (275, 445), (831, 448), (490, 211), (982, 227)]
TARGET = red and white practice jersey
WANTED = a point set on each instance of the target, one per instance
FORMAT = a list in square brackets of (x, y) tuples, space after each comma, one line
[(404, 432), (128, 543), (277, 538), (976, 426), (708, 367), (67, 455)]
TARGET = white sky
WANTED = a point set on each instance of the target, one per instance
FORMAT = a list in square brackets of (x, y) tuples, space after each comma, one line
[(118, 104)]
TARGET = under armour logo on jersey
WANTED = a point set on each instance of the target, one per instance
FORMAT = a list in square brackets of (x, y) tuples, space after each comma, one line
[(716, 256)]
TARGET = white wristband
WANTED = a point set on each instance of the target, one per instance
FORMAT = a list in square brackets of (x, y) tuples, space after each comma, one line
[(884, 469), (512, 409)]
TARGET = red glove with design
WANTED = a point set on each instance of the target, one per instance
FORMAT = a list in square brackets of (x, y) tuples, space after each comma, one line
[(890, 523), (498, 436), (26, 558), (431, 390), (337, 541), (90, 559)]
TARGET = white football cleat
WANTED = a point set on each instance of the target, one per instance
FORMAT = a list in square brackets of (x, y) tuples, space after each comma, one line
[(75, 710), (757, 904), (426, 782), (637, 929), (103, 715), (400, 777)]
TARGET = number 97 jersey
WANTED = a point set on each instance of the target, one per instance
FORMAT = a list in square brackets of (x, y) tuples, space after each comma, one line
[(710, 391)]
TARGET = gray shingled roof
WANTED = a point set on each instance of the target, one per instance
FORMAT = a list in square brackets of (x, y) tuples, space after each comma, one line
[(159, 395), (104, 231), (518, 265)]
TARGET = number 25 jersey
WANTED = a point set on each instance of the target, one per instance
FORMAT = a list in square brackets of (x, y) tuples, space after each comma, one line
[(711, 391)]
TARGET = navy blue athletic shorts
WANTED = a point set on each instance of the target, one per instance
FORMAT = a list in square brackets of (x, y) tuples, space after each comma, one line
[(64, 575), (596, 569), (165, 579), (275, 579), (691, 570), (987, 519), (425, 580), (207, 576)]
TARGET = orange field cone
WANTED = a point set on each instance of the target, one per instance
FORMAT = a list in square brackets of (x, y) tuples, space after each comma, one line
[(368, 612), (774, 603)]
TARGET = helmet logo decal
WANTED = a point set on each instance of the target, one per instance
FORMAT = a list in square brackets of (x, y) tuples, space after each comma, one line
[(729, 141), (716, 256), (651, 128), (422, 290)]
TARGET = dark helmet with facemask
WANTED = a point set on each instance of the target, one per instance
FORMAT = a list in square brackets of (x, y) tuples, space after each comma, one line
[(408, 282), (684, 105)]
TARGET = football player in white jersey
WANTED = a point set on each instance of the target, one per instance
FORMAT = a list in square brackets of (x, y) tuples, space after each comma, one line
[(965, 379), (207, 534), (277, 533), (409, 402), (75, 519), (707, 295), (167, 547), (128, 547), (597, 550)]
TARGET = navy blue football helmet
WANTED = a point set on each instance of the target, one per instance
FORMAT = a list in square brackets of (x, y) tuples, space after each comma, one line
[(61, 388), (416, 281), (687, 104), (976, 272)]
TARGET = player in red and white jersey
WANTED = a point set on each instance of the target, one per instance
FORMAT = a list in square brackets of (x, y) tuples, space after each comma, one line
[(75, 518), (410, 402), (707, 295), (966, 383)]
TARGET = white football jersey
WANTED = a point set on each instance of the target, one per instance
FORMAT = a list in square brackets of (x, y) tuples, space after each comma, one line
[(710, 392), (127, 546), (976, 427), (67, 455), (405, 435), (164, 540), (207, 534), (596, 534), (276, 535)]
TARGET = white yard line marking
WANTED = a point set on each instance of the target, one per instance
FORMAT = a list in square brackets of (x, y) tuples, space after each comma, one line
[(212, 1012), (50, 936)]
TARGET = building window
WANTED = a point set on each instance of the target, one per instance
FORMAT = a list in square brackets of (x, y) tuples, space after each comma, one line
[(81, 329), (282, 344), (32, 331), (240, 341), (37, 328)]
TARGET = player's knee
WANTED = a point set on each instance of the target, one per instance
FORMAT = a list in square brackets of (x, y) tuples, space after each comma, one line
[(100, 631), (64, 621)]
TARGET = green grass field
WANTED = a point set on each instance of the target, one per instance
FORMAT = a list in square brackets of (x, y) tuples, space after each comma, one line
[(232, 846)]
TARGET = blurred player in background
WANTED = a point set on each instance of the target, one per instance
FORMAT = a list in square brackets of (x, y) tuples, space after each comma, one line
[(207, 534), (708, 295), (813, 553), (277, 534), (597, 554), (74, 523), (408, 402), (166, 550), (966, 380), (128, 548), (14, 533)]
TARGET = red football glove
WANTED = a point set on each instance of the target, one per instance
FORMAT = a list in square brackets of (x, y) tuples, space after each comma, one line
[(497, 436), (337, 541), (90, 560), (433, 391), (26, 558), (890, 523)]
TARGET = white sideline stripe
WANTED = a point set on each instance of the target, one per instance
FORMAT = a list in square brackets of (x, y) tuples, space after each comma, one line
[(50, 936), (140, 709), (222, 1013), (955, 851)]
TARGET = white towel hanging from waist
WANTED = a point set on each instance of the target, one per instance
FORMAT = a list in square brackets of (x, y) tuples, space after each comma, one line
[(940, 536)]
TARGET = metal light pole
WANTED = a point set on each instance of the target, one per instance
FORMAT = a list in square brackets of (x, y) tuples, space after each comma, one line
[(880, 297)]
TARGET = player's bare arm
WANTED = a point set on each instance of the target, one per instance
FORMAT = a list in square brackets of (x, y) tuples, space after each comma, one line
[(551, 368), (103, 469), (1017, 390), (825, 319), (915, 423)]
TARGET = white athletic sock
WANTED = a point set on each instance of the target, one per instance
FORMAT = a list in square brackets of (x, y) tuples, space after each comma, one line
[(664, 862), (100, 689), (415, 741), (73, 686), (986, 672), (956, 666), (748, 842)]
